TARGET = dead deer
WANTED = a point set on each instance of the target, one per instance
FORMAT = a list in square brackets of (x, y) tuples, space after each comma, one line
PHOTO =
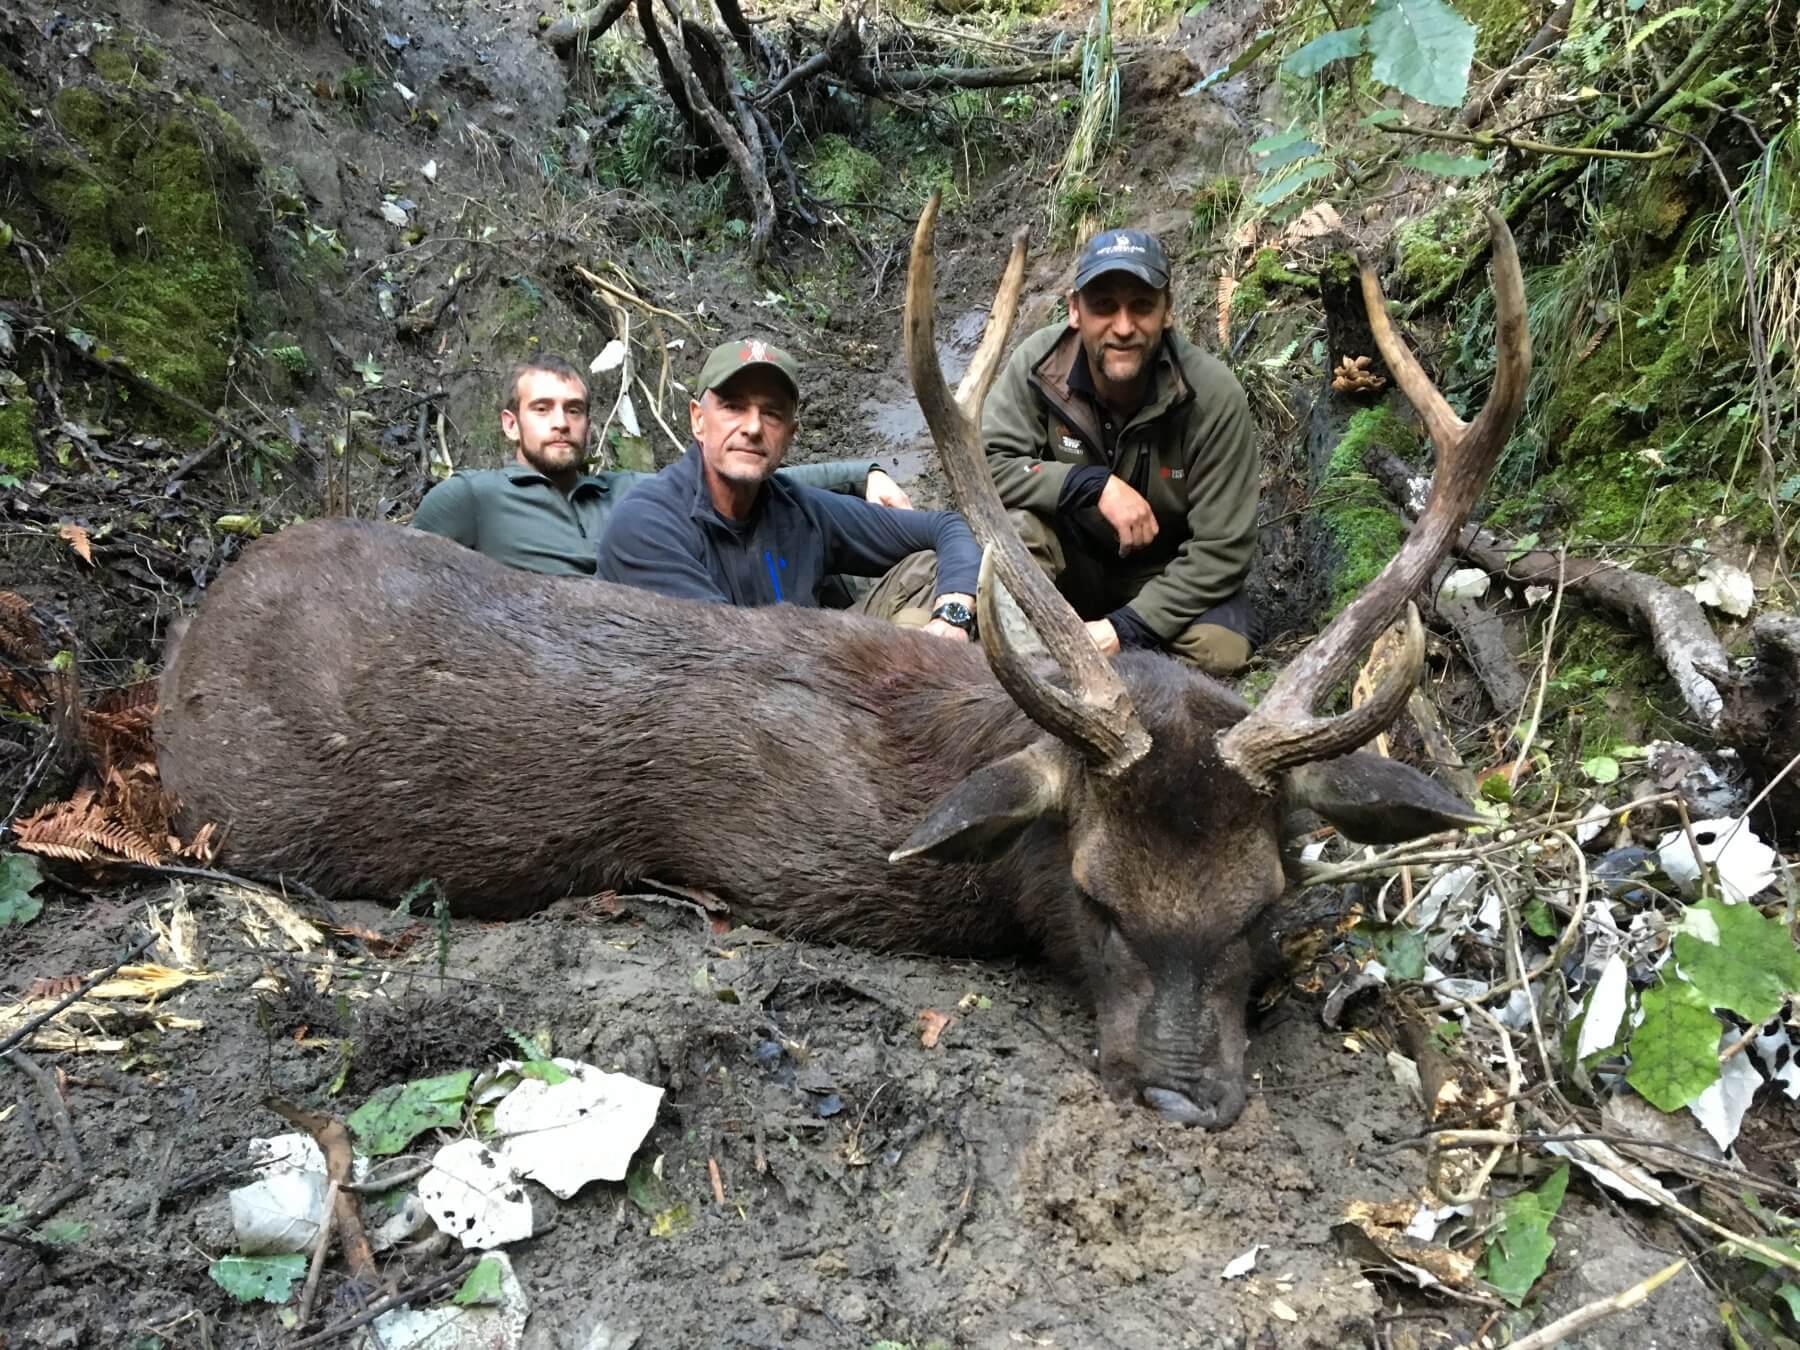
[(363, 707)]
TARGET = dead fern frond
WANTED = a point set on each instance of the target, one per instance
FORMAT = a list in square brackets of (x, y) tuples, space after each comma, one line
[(21, 636), (1227, 288)]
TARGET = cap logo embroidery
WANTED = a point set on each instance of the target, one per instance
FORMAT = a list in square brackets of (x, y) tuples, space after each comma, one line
[(1121, 244), (753, 351)]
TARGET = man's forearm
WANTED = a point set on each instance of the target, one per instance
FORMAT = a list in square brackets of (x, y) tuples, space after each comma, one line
[(836, 475)]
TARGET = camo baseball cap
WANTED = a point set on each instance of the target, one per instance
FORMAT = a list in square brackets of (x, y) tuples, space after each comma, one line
[(1130, 251), (741, 354)]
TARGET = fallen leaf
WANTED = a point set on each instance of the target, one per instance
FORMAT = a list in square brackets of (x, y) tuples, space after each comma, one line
[(394, 215), (429, 169), (1242, 1265), (1282, 1311), (933, 1023), (78, 540)]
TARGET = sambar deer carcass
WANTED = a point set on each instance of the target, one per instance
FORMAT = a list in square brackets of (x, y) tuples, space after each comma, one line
[(363, 707)]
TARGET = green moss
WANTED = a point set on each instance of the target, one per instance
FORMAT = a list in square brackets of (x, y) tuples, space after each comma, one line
[(15, 135), (839, 172), (1432, 246), (1266, 274), (1364, 529), (132, 64), (153, 264), (18, 451), (1607, 689)]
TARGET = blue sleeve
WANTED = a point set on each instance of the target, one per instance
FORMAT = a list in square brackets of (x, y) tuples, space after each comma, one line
[(650, 547), (865, 540)]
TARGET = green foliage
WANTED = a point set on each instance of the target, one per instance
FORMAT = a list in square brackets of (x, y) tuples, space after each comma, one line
[(1423, 48), (1214, 203), (132, 64), (1322, 51), (356, 84), (482, 1285), (1675, 1049), (1364, 529), (249, 1279), (155, 263), (631, 160), (19, 878), (1256, 288), (1520, 1247), (394, 1116), (839, 172), (1737, 959), (18, 450)]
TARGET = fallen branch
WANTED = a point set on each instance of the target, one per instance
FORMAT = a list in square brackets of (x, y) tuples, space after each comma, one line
[(1483, 638), (1491, 140), (1673, 618), (1542, 45), (389, 1302), (1545, 1337), (333, 1140), (743, 144), (571, 29), (53, 1103)]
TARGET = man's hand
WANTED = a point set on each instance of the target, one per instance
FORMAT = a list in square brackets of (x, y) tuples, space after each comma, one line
[(1130, 516), (1105, 636), (884, 491), (938, 628)]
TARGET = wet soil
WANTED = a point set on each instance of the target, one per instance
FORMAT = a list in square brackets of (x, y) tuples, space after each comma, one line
[(982, 1193)]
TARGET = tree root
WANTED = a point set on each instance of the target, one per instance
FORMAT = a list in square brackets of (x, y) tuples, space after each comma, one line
[(1674, 620)]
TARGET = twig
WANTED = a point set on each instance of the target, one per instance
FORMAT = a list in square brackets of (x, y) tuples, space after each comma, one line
[(318, 1256), (375, 1185), (1489, 140), (334, 1142), (1545, 1337), (1410, 855), (718, 1182), (53, 1102), (99, 977), (627, 297), (390, 1301), (656, 412), (1543, 683)]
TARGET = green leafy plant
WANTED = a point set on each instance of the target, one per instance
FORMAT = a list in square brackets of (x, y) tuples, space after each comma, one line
[(394, 1116), (249, 1279), (19, 878), (1423, 48), (1520, 1248)]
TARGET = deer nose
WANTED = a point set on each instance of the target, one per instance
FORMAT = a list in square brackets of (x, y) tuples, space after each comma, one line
[(1212, 1106)]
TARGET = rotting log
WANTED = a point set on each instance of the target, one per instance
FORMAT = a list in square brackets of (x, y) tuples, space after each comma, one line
[(1684, 640), (1761, 719), (1483, 637)]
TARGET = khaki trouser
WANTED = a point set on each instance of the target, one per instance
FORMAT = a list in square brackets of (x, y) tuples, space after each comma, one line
[(1096, 591), (903, 594)]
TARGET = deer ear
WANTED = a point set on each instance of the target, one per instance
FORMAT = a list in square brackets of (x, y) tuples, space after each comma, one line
[(1375, 800), (981, 814)]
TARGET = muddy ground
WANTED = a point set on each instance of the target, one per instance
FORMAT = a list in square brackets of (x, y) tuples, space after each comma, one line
[(983, 1193)]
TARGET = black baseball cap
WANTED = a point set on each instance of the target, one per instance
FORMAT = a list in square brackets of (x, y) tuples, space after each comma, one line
[(1130, 251)]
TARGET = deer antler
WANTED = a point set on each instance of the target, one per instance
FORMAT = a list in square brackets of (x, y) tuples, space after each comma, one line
[(1097, 717), (1283, 731)]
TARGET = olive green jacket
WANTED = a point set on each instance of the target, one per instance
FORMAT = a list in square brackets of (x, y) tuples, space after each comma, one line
[(1190, 450), (518, 517)]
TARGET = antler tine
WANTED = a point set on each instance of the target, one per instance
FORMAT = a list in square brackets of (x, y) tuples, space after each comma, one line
[(985, 364), (1098, 720), (1282, 732)]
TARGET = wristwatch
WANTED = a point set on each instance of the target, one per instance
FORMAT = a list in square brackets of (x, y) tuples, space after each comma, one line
[(957, 615)]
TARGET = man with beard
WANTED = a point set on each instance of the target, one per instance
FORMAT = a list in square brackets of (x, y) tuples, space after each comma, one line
[(541, 512), (1125, 454), (720, 524)]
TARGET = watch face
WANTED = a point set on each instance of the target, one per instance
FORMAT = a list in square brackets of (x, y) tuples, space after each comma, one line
[(954, 612)]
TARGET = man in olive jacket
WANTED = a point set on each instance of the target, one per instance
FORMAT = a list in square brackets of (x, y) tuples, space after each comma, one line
[(1126, 456)]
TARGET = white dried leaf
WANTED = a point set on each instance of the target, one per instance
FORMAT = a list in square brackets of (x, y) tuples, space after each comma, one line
[(1240, 1266), (404, 92), (1775, 1051), (429, 169), (1745, 865), (1406, 1073), (1720, 1109), (628, 416), (1605, 1008), (393, 215), (472, 1195), (1466, 583), (582, 1129), (1536, 595), (1724, 587), (1282, 1311), (1606, 1166), (611, 357)]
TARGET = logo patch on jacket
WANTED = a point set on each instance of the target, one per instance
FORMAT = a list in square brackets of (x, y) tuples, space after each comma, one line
[(1167, 472)]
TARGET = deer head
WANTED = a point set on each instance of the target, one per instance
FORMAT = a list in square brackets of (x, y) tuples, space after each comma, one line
[(1161, 789)]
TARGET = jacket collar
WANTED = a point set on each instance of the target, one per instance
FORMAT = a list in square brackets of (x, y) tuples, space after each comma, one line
[(520, 474)]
